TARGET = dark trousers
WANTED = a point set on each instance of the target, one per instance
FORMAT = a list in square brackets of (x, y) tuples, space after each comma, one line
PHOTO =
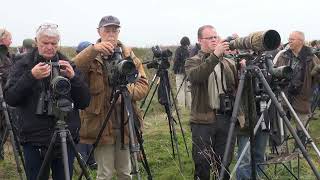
[(34, 156), (208, 146)]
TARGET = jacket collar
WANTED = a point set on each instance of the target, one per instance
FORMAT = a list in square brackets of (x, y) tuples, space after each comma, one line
[(304, 54)]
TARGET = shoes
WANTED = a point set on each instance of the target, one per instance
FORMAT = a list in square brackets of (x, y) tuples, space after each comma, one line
[(93, 166)]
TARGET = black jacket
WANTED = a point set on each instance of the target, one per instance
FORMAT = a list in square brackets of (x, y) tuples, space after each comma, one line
[(5, 62), (181, 54), (22, 91)]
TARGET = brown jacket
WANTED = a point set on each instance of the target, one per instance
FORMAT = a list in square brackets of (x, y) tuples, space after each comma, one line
[(198, 69), (91, 64), (302, 101)]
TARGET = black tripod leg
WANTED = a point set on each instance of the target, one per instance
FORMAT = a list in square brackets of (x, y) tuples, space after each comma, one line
[(80, 161), (47, 157), (19, 150), (134, 147), (252, 112), (4, 139), (232, 124), (144, 160), (95, 144), (178, 115), (174, 139), (154, 92), (286, 120), (63, 136), (145, 98), (9, 132)]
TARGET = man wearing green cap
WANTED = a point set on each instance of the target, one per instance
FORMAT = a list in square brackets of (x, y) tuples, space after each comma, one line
[(27, 46)]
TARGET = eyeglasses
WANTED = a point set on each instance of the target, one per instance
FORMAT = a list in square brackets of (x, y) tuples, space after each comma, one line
[(111, 30), (292, 39), (47, 26), (211, 38)]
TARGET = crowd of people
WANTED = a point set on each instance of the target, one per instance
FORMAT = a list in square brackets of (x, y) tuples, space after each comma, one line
[(207, 78)]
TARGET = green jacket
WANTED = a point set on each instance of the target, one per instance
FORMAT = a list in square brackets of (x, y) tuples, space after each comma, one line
[(198, 69), (301, 102)]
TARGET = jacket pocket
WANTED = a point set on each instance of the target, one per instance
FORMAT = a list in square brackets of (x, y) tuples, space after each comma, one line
[(96, 80), (96, 86)]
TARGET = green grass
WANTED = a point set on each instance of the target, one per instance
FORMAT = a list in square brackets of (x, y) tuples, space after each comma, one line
[(159, 152)]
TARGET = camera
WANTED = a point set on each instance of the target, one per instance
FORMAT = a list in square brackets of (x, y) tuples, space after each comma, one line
[(226, 102), (120, 71), (282, 72), (158, 53), (160, 58), (59, 84), (258, 41), (55, 96)]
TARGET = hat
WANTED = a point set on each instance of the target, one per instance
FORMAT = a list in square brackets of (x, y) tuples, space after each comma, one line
[(185, 41), (82, 45), (109, 20), (28, 43)]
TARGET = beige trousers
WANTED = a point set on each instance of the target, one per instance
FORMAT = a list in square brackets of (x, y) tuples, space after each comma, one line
[(184, 95), (111, 158)]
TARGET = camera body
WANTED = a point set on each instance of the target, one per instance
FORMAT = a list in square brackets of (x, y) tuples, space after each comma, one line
[(120, 71), (160, 58), (226, 102)]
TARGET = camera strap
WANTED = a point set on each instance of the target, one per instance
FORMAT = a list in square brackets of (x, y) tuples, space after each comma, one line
[(222, 75)]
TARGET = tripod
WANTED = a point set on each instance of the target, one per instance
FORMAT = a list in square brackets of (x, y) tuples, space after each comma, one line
[(248, 75), (164, 92), (133, 132), (65, 135), (11, 133)]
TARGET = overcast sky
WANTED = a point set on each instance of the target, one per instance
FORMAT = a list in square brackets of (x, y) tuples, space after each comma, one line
[(165, 22)]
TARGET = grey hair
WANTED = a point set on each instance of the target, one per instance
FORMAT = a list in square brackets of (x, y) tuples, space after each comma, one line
[(301, 34), (3, 33), (48, 29)]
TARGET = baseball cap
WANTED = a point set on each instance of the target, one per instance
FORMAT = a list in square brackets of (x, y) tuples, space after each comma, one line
[(108, 21), (28, 43)]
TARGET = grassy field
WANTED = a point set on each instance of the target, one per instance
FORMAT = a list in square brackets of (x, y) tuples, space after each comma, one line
[(159, 153), (158, 148)]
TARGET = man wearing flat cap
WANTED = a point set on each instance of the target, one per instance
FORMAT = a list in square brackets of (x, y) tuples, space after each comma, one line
[(109, 154)]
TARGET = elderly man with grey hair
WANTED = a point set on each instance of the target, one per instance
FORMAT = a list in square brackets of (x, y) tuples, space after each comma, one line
[(306, 69), (29, 79)]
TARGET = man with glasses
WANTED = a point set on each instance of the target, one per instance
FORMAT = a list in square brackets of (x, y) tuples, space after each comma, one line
[(29, 78), (306, 70), (213, 82), (110, 155)]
